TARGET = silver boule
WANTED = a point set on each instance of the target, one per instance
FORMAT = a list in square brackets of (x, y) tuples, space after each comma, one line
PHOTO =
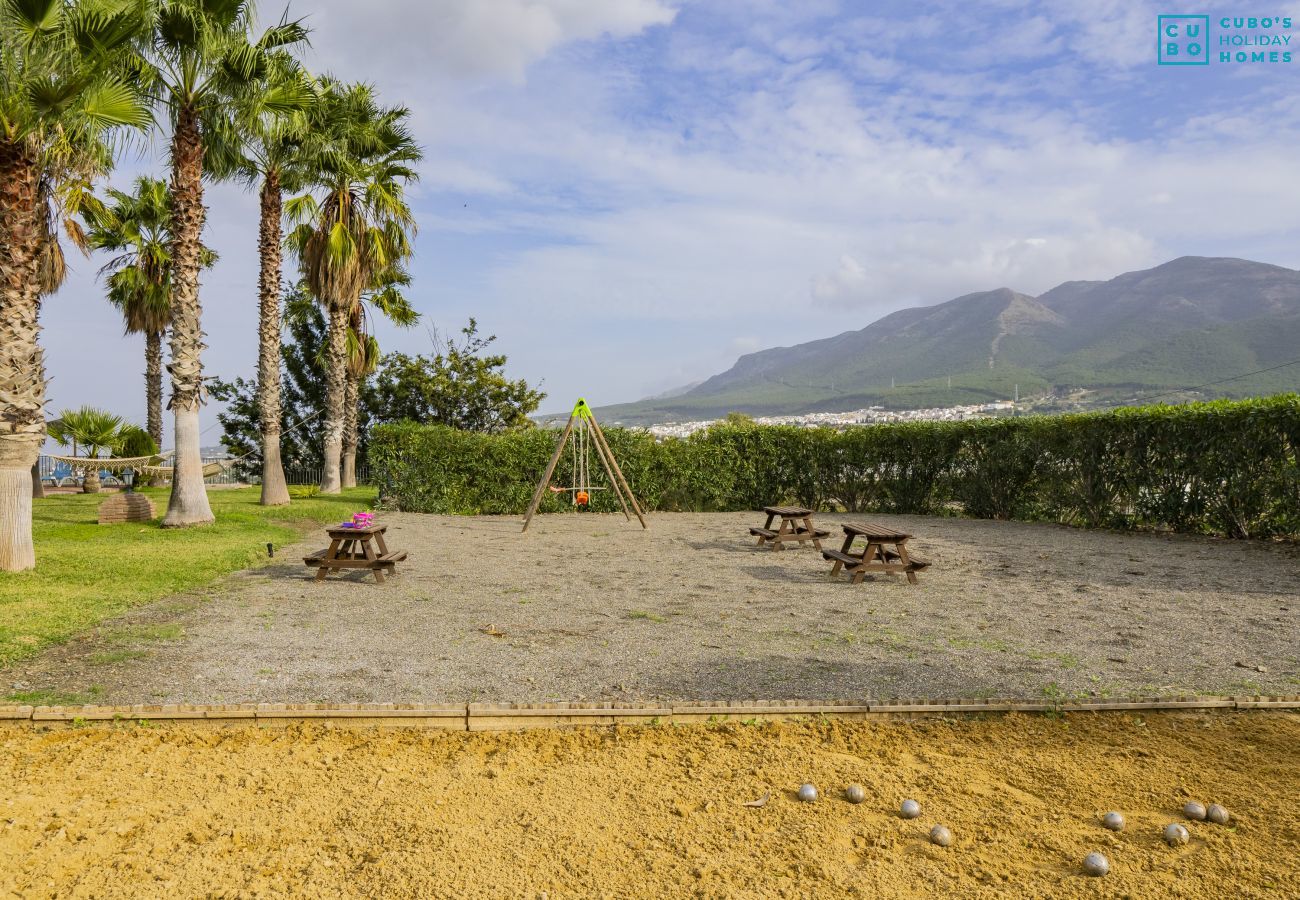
[(855, 793), (1175, 835), (1095, 864), (910, 809), (940, 836), (1194, 811), (1113, 820), (807, 793), (1217, 814)]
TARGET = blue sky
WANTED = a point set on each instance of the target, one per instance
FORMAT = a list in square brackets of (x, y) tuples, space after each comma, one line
[(631, 193)]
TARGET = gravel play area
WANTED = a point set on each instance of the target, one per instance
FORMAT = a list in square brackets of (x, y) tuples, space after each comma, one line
[(589, 607), (133, 811)]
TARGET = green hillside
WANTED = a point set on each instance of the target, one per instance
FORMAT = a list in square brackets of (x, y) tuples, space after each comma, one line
[(1186, 323)]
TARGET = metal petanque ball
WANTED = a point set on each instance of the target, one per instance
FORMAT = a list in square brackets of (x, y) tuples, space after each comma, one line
[(1095, 864), (910, 809), (940, 836), (1217, 814), (1194, 810), (807, 793), (1113, 820), (1175, 835), (854, 793)]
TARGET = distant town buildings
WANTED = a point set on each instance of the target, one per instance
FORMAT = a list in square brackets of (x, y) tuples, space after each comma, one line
[(872, 415)]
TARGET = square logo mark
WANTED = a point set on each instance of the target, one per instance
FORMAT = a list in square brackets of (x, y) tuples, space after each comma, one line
[(1183, 40)]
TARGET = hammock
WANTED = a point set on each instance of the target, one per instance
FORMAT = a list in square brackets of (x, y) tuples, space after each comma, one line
[(146, 465), (209, 469), (108, 463)]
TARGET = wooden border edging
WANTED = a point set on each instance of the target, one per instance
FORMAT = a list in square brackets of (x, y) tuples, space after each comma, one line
[(509, 716)]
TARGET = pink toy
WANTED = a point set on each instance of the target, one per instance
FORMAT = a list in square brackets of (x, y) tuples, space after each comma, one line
[(363, 519)]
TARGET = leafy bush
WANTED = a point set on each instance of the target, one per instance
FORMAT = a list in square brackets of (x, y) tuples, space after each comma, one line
[(1227, 468), (135, 441)]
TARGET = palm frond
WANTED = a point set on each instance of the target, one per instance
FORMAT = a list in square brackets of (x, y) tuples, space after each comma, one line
[(35, 17), (285, 34), (114, 103), (99, 29), (302, 209)]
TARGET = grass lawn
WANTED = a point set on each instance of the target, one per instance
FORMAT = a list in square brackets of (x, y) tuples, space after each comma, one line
[(86, 572)]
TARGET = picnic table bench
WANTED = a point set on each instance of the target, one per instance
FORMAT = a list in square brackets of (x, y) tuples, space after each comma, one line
[(354, 548), (796, 525), (886, 552)]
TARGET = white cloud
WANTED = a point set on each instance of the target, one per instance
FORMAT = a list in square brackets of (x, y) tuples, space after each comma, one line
[(848, 280), (466, 39)]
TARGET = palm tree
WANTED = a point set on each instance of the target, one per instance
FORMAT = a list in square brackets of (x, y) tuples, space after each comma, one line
[(274, 126), (62, 92), (362, 360), (388, 299), (205, 67), (94, 429), (135, 226), (357, 226)]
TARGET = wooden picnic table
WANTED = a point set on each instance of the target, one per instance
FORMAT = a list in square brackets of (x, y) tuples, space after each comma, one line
[(354, 548), (886, 552), (796, 526)]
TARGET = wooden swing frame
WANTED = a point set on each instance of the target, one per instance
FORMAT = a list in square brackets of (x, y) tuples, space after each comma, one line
[(617, 480)]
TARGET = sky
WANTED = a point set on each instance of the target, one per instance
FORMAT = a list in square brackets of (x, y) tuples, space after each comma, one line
[(630, 194)]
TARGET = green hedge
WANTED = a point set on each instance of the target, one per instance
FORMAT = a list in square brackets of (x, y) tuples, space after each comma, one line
[(1226, 468)]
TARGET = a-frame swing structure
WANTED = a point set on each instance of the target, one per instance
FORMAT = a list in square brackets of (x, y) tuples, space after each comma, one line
[(583, 434)]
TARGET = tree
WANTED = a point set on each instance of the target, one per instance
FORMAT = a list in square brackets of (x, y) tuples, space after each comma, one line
[(353, 229), (94, 429), (363, 359), (63, 89), (136, 441), (388, 299), (205, 69), (461, 386), (302, 375), (135, 227), (273, 158), (736, 420)]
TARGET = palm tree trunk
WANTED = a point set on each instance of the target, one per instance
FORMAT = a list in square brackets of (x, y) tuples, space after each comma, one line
[(22, 363), (90, 481), (153, 393), (336, 359), (274, 490), (350, 399), (188, 504), (153, 385), (38, 486)]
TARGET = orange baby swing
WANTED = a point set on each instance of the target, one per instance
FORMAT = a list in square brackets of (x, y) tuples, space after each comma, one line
[(580, 448)]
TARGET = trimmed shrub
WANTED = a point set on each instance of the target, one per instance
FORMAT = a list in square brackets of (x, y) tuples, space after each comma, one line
[(1227, 468)]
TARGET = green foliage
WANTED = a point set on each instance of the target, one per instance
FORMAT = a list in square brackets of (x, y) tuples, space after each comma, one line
[(354, 224), (87, 428), (135, 227), (1226, 468), (135, 441), (302, 397), (64, 74), (463, 387)]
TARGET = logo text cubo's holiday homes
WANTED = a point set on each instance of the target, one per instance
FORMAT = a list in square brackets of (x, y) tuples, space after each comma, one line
[(1197, 40)]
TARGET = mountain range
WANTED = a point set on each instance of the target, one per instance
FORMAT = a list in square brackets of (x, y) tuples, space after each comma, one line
[(1175, 327)]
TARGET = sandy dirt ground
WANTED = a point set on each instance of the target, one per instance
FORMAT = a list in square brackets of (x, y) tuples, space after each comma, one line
[(653, 811), (587, 607)]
